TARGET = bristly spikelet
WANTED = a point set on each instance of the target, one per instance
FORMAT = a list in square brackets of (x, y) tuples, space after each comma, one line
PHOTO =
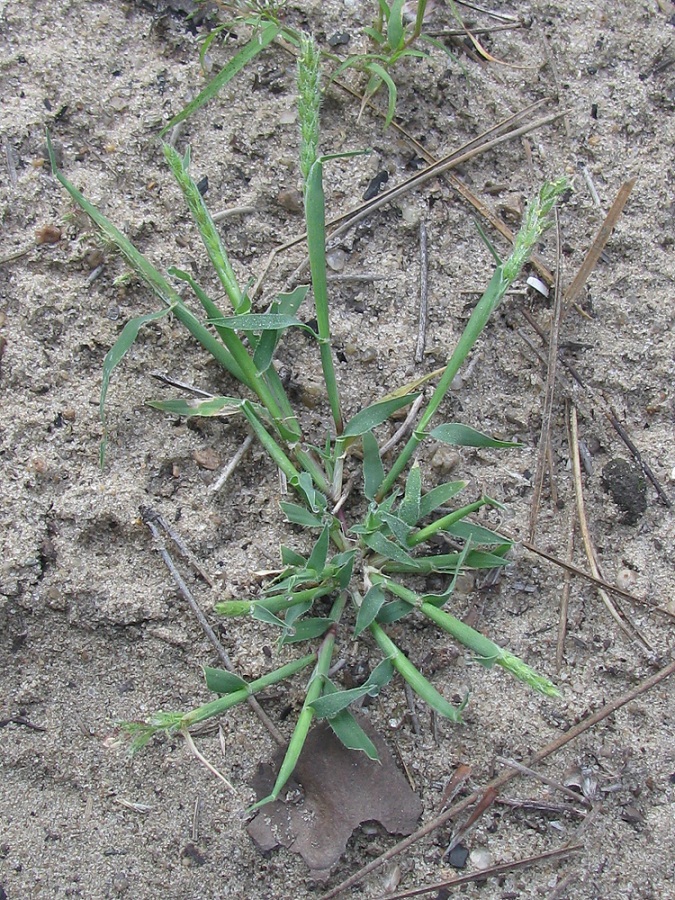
[(536, 223), (309, 103)]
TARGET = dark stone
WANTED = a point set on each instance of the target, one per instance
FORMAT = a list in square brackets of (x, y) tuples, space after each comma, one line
[(375, 185), (339, 39), (458, 856), (627, 487)]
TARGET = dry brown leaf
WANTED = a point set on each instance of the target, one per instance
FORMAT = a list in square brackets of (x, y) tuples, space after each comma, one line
[(333, 790)]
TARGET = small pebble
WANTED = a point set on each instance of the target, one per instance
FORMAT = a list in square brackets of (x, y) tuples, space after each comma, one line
[(206, 458), (94, 258), (291, 200), (119, 104), (445, 460), (191, 855), (376, 184), (410, 213), (57, 149), (391, 879), (120, 882), (481, 858), (336, 259), (340, 39), (311, 396), (632, 815), (626, 579), (288, 116), (48, 234), (458, 856)]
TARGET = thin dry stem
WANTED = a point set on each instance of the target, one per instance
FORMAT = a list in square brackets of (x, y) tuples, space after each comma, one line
[(472, 148), (151, 520), (599, 402), (548, 750), (549, 391), (619, 616), (526, 770), (598, 245), (232, 465), (424, 295), (204, 761), (491, 871), (565, 598)]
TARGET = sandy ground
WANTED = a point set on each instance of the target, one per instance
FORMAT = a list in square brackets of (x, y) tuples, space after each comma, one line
[(93, 630)]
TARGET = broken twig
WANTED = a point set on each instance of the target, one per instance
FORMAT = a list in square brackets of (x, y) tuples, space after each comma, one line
[(561, 741)]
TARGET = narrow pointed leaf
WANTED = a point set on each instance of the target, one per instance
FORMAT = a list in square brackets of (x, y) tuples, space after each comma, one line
[(462, 436), (380, 74), (333, 701), (375, 415), (380, 544), (300, 516), (307, 630), (369, 609), (439, 495), (221, 681), (293, 613), (409, 509), (350, 733), (286, 304), (290, 557), (264, 615), (303, 483), (392, 612), (395, 28), (317, 558), (447, 563), (374, 35), (257, 43), (373, 470), (120, 348), (400, 529), (211, 406), (476, 533), (330, 704), (260, 322)]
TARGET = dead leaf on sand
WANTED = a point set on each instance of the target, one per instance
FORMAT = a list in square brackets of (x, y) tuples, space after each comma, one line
[(338, 789)]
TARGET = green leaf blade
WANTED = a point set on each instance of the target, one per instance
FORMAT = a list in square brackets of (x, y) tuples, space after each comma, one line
[(459, 435), (375, 415), (350, 733), (439, 495), (298, 515), (373, 470), (212, 406), (220, 681), (410, 507), (369, 609), (226, 74)]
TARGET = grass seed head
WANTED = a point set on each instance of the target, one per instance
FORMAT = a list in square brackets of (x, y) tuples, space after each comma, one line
[(309, 103)]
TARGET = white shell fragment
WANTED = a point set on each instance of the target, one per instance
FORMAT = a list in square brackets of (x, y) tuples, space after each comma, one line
[(538, 285)]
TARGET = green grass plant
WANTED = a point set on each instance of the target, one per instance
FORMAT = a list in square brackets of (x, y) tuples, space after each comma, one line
[(369, 550), (391, 36)]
